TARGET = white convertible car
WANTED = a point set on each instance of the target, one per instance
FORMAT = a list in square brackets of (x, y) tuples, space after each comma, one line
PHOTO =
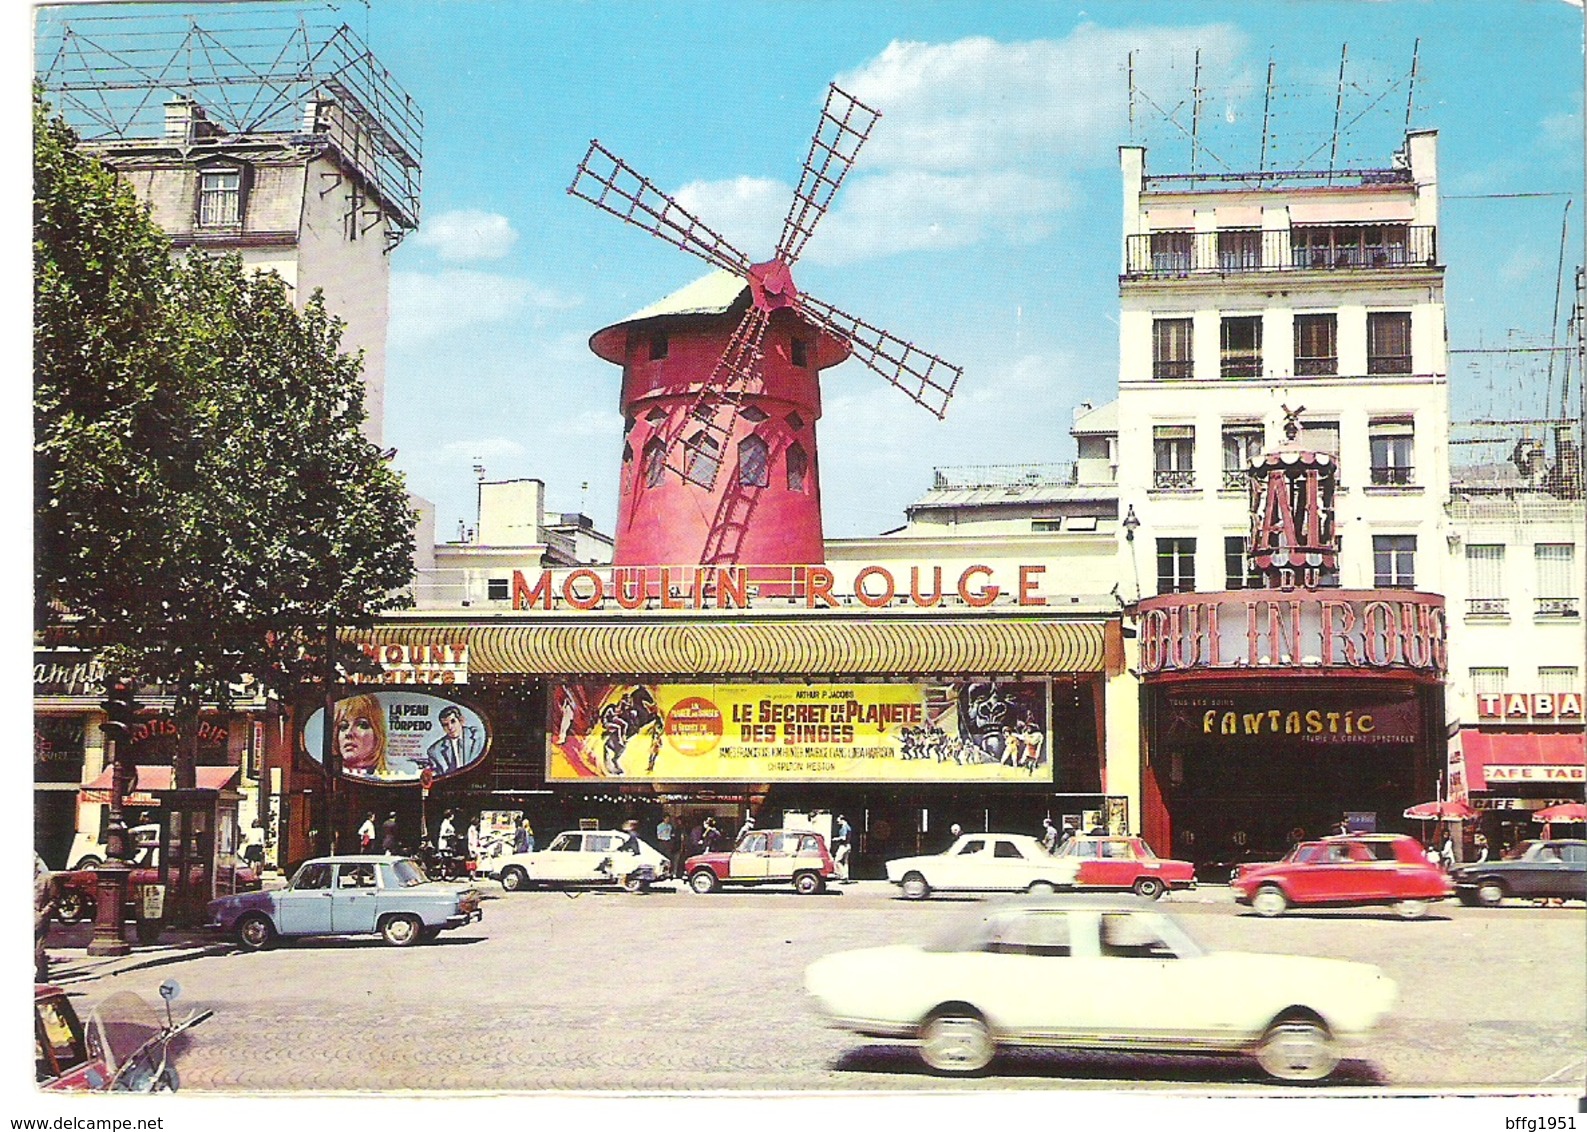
[(1096, 972), (984, 862)]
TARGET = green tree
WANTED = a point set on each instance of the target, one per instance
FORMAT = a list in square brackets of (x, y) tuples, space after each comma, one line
[(209, 508)]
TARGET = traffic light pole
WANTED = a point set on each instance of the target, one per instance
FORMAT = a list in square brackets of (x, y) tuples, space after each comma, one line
[(111, 890)]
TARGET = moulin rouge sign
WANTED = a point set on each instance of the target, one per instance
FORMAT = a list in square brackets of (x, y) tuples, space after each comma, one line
[(736, 587)]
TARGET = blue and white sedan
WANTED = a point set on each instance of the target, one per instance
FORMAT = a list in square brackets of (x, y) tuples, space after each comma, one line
[(352, 895)]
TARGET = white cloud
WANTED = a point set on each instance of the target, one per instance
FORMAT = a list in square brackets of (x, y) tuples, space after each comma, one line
[(426, 306), (978, 140), (466, 235), (747, 211)]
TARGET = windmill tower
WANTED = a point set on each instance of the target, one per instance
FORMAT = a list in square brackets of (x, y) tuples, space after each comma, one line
[(721, 389)]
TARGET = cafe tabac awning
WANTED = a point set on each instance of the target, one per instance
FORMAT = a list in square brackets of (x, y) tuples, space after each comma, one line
[(753, 648)]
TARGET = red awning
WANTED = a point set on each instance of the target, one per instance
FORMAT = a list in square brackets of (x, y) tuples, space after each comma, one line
[(1495, 760), (152, 778)]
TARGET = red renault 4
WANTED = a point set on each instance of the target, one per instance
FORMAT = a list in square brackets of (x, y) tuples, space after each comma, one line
[(766, 856)]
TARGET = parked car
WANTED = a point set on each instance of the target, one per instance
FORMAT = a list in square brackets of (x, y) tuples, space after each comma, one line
[(88, 851), (1553, 869), (123, 1047), (581, 857), (984, 862), (766, 856), (349, 895), (1363, 869), (1125, 862), (1095, 971), (77, 892)]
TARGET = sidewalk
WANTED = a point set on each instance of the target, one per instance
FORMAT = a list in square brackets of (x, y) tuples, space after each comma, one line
[(70, 962)]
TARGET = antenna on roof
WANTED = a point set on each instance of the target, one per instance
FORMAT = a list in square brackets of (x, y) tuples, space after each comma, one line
[(1339, 105)]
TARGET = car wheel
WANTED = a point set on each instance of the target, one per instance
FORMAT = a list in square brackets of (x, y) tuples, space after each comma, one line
[(513, 879), (1411, 909), (633, 882), (809, 884), (400, 931), (915, 887), (1468, 899), (255, 932), (1297, 1049), (1270, 901), (1490, 893), (1041, 888), (71, 906), (956, 1040), (703, 881), (1149, 887)]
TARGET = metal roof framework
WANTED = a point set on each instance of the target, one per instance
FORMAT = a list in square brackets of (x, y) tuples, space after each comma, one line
[(110, 77)]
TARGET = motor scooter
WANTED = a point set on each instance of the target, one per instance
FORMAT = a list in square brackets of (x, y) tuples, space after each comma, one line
[(123, 1046)]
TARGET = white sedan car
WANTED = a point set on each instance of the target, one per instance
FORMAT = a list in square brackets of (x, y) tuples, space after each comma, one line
[(984, 862), (1096, 972), (581, 857)]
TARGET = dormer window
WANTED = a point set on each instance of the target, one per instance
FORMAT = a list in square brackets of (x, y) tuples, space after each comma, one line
[(220, 197)]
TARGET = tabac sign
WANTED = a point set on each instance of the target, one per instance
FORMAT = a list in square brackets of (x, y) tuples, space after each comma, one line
[(1530, 707)]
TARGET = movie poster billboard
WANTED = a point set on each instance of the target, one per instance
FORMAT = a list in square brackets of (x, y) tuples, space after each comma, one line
[(389, 738), (949, 731)]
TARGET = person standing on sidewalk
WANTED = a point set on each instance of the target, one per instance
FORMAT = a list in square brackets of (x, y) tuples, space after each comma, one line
[(1049, 835), (667, 840), (842, 846), (366, 833), (388, 834)]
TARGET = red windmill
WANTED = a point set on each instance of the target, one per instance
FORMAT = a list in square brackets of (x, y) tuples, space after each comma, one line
[(726, 370)]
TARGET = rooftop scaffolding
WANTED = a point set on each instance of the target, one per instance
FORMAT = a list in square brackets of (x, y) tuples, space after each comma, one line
[(111, 76)]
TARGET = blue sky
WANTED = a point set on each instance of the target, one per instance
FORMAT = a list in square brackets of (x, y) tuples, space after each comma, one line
[(982, 220)]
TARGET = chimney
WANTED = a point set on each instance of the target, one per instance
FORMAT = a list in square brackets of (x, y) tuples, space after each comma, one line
[(180, 116)]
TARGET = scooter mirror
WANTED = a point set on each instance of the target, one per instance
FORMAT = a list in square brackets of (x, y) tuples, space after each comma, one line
[(170, 989)]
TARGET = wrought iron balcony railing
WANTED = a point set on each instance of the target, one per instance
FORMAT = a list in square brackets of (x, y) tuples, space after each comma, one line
[(1173, 478), (1487, 607), (1558, 607), (1325, 248)]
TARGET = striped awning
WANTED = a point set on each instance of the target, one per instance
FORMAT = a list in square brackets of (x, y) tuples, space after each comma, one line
[(750, 648)]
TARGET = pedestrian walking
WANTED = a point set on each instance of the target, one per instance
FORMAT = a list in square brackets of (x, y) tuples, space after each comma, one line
[(1446, 855), (43, 910), (842, 847), (710, 836), (667, 838), (1479, 845), (749, 824), (1049, 835), (522, 840), (471, 839), (366, 833), (388, 834), (447, 836)]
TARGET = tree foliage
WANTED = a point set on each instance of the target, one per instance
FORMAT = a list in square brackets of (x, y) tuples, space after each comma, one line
[(206, 502)]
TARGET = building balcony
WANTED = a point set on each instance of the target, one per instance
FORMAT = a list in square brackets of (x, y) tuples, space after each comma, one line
[(1173, 479), (1558, 608), (1488, 607), (1163, 255)]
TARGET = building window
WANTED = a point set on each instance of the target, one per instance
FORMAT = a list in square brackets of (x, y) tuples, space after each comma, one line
[(1489, 681), (703, 457), (795, 421), (1239, 249), (1171, 253), (798, 465), (1556, 580), (1176, 565), (655, 461), (1239, 572), (1394, 562), (753, 414), (496, 589), (1316, 345), (1171, 348), (1558, 679), (1392, 444), (1173, 456), (754, 457), (1241, 354), (1389, 342), (1320, 436), (1349, 245), (798, 352), (659, 345), (220, 198), (1485, 581), (1242, 443)]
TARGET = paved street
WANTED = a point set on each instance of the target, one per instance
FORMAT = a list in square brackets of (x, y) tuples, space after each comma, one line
[(675, 991)]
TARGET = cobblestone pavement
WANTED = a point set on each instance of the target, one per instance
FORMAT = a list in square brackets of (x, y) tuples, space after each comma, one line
[(679, 992)]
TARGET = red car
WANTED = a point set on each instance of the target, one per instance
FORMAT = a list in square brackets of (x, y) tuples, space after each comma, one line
[(77, 891), (1388, 869), (766, 856), (1126, 862)]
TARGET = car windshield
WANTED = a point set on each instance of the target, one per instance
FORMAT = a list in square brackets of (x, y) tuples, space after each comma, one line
[(408, 872), (962, 935)]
